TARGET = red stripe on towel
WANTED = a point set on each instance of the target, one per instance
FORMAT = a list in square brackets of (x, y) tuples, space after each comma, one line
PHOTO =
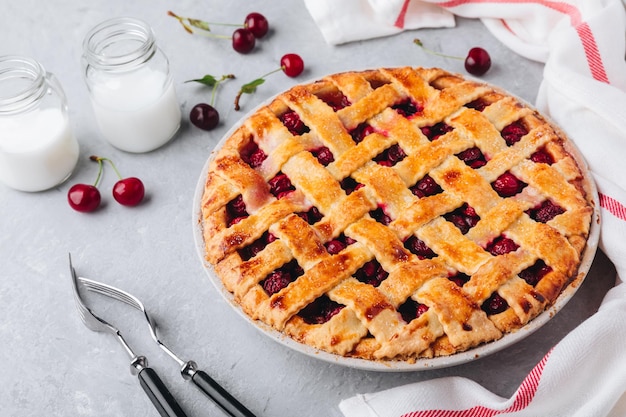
[(523, 397), (592, 53), (613, 206), (400, 20)]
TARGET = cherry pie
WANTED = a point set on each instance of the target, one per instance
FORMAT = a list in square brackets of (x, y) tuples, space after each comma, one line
[(395, 214)]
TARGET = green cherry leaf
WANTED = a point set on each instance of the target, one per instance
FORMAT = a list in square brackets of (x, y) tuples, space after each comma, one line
[(207, 80), (250, 87), (200, 24)]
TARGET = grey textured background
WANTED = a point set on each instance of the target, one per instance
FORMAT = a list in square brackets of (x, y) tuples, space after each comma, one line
[(52, 365)]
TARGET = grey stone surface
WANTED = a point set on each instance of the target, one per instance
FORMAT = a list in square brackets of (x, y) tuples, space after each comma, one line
[(52, 365)]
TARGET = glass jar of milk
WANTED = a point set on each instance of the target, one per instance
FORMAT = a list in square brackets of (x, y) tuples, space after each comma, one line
[(38, 149), (130, 85)]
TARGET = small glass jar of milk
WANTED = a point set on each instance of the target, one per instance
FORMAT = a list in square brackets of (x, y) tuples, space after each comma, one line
[(38, 149), (129, 82)]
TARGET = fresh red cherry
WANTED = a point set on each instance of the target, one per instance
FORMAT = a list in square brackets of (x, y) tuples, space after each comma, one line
[(257, 24), (129, 191), (84, 197), (243, 40), (477, 61), (204, 116), (292, 65)]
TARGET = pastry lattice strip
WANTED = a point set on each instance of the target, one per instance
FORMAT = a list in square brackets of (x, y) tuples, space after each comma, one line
[(320, 187)]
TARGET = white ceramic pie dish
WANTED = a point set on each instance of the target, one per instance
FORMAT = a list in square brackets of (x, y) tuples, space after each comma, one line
[(420, 364)]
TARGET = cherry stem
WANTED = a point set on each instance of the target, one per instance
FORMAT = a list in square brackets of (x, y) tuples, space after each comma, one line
[(272, 72), (239, 25), (430, 51), (217, 83), (212, 35), (237, 98), (201, 24), (256, 81), (99, 160)]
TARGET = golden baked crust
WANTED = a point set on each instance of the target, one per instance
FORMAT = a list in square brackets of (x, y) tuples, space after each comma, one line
[(395, 213)]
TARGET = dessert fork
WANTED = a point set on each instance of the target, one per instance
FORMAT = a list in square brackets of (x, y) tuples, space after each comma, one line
[(189, 369), (156, 390)]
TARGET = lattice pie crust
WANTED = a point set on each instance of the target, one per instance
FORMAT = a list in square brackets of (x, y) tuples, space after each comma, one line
[(395, 213)]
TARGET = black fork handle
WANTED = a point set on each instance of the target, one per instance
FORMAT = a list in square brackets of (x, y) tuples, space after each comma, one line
[(158, 393), (220, 396)]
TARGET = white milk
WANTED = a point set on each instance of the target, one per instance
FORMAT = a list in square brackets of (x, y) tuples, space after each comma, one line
[(37, 150), (134, 111)]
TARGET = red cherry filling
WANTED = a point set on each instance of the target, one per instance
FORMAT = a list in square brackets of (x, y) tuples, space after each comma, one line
[(501, 245), (390, 156), (380, 216), (507, 185), (338, 244), (495, 304), (371, 273), (280, 185), (323, 155), (311, 216), (473, 157), (361, 131), (349, 185), (257, 246), (464, 218), (426, 187), (320, 310), (335, 246), (411, 310), (437, 130), (236, 210), (459, 278), (542, 156), (408, 108), (335, 99), (253, 155), (478, 104), (514, 132), (292, 121), (545, 211), (281, 277), (419, 248), (533, 274), (377, 83)]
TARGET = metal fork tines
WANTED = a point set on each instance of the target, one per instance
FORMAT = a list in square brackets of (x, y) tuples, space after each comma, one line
[(189, 370), (156, 390)]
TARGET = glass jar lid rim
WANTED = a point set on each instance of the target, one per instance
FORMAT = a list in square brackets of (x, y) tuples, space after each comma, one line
[(20, 95), (97, 43)]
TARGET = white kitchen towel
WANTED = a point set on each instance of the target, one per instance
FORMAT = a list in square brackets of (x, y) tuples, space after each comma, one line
[(342, 21), (582, 43)]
